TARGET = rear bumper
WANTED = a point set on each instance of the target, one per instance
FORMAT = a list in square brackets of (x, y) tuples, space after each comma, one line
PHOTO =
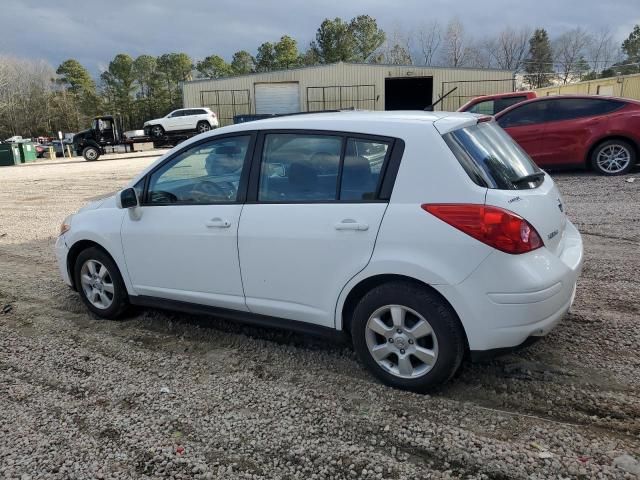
[(510, 298)]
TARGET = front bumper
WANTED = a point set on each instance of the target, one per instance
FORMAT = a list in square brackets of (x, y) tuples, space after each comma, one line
[(510, 298), (62, 250)]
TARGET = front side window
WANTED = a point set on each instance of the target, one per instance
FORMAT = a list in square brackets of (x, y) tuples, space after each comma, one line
[(527, 114), (299, 168), (178, 113), (203, 174)]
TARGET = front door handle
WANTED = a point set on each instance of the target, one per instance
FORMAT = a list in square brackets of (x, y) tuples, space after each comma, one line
[(351, 224), (218, 223)]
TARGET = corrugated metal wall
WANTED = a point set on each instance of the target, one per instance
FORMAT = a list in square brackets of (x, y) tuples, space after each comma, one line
[(627, 86), (195, 93)]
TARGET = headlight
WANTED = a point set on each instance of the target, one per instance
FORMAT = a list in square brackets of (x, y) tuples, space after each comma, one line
[(65, 226)]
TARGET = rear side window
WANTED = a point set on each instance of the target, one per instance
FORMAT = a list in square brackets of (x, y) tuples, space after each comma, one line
[(570, 108), (299, 168), (491, 158), (484, 108), (321, 168), (363, 163)]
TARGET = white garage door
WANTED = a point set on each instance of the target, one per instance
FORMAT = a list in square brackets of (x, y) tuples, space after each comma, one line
[(277, 97)]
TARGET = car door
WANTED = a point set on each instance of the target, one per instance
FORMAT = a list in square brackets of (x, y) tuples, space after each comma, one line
[(310, 222), (174, 122), (182, 244), (573, 124), (189, 120), (526, 124)]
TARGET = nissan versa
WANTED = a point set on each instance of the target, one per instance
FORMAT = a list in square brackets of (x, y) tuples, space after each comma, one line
[(424, 236)]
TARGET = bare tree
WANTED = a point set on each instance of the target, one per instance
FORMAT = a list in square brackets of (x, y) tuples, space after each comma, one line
[(396, 49), (601, 50), (25, 89), (569, 50), (428, 37), (509, 48), (455, 52)]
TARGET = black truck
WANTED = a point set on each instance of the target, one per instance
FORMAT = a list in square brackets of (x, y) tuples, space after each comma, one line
[(107, 132)]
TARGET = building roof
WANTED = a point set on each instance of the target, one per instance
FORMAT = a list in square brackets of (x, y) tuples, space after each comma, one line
[(356, 64)]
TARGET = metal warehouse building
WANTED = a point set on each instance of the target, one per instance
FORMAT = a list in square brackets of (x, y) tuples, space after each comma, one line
[(343, 85)]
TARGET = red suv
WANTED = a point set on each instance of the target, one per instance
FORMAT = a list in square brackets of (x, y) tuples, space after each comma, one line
[(492, 104), (570, 131)]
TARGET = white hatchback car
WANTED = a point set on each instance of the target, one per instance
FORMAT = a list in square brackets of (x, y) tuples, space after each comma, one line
[(423, 236), (198, 120)]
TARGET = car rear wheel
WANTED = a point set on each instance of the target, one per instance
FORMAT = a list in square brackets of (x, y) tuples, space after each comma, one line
[(100, 284), (157, 131), (90, 154), (613, 157), (203, 127), (407, 336)]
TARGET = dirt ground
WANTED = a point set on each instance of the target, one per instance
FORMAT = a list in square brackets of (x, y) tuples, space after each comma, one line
[(169, 395)]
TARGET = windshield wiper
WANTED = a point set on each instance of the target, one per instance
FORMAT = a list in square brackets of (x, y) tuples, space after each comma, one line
[(529, 178)]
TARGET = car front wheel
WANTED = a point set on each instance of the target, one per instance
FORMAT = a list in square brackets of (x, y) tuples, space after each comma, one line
[(90, 154), (100, 284), (407, 336), (613, 157)]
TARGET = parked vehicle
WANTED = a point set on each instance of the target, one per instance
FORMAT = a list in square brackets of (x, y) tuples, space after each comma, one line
[(40, 150), (107, 131), (198, 120), (492, 104), (577, 131), (423, 236)]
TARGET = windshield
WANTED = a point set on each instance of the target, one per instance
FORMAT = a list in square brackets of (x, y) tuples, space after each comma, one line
[(491, 158)]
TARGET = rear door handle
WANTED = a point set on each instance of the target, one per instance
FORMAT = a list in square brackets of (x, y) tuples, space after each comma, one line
[(218, 223), (351, 224)]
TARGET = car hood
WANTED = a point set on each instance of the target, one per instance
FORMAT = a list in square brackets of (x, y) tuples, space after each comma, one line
[(102, 201), (81, 134), (149, 122)]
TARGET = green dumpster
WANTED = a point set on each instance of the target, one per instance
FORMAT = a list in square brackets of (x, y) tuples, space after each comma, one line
[(27, 152), (9, 154)]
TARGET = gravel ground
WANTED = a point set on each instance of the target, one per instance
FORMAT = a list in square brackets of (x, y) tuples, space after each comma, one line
[(168, 395)]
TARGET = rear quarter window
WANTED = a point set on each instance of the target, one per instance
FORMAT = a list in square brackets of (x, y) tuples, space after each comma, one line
[(491, 158)]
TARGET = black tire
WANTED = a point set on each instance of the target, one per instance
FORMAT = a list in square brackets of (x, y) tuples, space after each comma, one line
[(120, 299), (91, 154), (157, 131), (442, 319), (203, 127), (615, 143)]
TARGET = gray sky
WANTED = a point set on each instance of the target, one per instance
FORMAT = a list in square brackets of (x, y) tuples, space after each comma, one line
[(94, 32)]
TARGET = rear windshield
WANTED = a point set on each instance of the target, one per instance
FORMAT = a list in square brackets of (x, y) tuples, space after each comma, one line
[(492, 159)]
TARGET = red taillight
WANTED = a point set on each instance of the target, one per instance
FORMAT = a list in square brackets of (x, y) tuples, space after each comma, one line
[(494, 226)]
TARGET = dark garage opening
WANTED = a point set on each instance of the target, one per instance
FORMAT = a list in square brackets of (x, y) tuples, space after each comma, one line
[(413, 93)]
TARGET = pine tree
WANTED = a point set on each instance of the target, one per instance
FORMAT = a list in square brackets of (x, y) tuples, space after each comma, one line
[(539, 63)]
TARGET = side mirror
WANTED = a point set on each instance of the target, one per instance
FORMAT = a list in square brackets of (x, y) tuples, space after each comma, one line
[(127, 198)]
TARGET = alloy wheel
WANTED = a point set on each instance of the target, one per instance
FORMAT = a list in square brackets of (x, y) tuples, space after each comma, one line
[(203, 127), (613, 158), (97, 284), (401, 341)]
